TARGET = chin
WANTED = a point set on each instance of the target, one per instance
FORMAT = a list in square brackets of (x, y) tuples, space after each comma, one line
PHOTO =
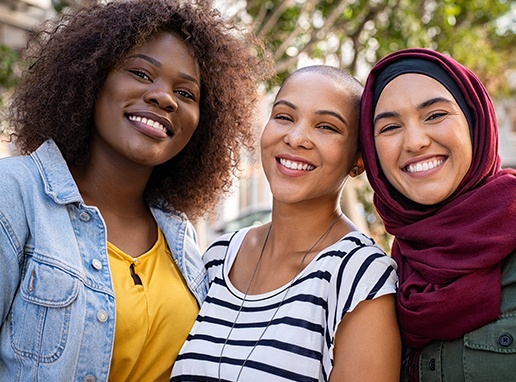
[(426, 200)]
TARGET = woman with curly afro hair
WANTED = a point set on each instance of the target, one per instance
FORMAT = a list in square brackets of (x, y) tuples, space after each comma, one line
[(129, 121)]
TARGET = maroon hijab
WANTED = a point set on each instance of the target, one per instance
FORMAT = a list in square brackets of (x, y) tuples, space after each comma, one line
[(449, 254)]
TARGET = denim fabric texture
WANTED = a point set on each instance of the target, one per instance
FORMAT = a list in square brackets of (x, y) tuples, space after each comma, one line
[(487, 354), (57, 305)]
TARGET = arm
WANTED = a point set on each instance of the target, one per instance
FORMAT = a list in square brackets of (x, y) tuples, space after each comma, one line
[(9, 269), (14, 230), (368, 344)]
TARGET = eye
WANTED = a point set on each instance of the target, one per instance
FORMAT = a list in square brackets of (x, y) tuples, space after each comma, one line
[(387, 129), (141, 74), (436, 116), (328, 127), (284, 117), (186, 94)]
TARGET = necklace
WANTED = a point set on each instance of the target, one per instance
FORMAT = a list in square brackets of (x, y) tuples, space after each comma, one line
[(279, 305)]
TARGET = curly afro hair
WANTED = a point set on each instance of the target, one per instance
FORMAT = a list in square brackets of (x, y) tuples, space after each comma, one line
[(68, 61)]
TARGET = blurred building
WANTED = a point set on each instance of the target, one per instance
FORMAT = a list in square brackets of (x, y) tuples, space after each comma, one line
[(19, 16), (506, 114)]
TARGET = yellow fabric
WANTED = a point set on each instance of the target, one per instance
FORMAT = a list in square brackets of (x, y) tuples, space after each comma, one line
[(152, 319)]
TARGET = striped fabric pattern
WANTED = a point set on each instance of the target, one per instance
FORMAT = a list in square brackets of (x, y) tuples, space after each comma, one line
[(298, 343)]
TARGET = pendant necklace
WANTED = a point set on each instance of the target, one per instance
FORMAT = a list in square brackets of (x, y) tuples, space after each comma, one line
[(279, 305)]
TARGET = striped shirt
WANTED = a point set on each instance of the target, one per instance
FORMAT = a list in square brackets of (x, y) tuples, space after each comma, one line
[(297, 344)]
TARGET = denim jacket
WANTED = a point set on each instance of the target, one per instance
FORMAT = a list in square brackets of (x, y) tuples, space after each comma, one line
[(57, 304)]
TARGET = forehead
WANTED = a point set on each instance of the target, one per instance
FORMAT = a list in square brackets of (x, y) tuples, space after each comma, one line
[(317, 90), (411, 88), (167, 49), (308, 80)]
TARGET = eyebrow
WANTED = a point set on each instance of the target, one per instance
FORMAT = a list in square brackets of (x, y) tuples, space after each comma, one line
[(335, 114), (158, 64), (422, 105), (146, 58), (319, 112), (387, 114), (286, 103), (432, 101)]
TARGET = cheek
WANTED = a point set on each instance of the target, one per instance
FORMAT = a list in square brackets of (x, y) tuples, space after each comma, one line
[(388, 159), (266, 138), (107, 98), (187, 120), (466, 157), (384, 152), (196, 115), (267, 156), (341, 157), (190, 127), (102, 107), (463, 140)]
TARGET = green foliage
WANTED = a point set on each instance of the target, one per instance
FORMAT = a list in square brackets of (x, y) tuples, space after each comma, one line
[(8, 77), (356, 33), (8, 59)]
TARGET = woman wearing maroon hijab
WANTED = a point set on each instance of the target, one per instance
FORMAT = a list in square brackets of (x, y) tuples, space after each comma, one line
[(429, 140)]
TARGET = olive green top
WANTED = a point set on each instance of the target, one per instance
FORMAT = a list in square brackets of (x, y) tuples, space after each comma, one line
[(487, 354)]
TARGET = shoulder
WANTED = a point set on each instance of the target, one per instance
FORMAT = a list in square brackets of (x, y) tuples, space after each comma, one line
[(216, 251), (219, 253), (359, 268), (21, 192), (16, 166), (43, 172), (17, 174), (358, 248)]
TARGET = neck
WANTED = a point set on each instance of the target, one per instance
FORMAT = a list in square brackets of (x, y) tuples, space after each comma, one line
[(129, 222), (297, 229), (109, 190)]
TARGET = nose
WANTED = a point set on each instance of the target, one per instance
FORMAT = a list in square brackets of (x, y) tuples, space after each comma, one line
[(416, 137), (299, 136), (162, 97)]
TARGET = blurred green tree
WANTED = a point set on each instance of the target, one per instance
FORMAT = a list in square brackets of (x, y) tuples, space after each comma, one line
[(8, 77), (354, 34)]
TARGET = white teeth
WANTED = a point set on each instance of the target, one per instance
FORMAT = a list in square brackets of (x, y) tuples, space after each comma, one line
[(149, 122), (296, 165), (424, 166)]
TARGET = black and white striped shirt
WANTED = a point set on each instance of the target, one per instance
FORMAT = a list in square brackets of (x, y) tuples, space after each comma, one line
[(298, 343)]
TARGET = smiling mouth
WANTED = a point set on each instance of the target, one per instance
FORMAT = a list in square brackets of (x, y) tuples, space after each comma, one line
[(151, 123), (424, 166), (296, 165)]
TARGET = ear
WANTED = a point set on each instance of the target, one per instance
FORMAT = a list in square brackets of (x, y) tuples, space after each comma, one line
[(358, 168)]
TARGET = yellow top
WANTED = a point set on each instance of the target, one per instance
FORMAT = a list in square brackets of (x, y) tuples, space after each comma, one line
[(155, 310)]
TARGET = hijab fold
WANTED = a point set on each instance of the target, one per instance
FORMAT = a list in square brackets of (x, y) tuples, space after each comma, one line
[(450, 254)]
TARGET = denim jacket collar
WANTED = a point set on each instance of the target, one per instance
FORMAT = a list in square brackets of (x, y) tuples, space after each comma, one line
[(59, 183)]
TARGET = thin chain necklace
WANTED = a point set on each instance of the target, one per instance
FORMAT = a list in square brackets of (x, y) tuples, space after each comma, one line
[(279, 305)]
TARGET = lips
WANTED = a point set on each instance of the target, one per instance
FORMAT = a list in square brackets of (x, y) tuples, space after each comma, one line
[(424, 165), (293, 165), (154, 122), (148, 122)]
